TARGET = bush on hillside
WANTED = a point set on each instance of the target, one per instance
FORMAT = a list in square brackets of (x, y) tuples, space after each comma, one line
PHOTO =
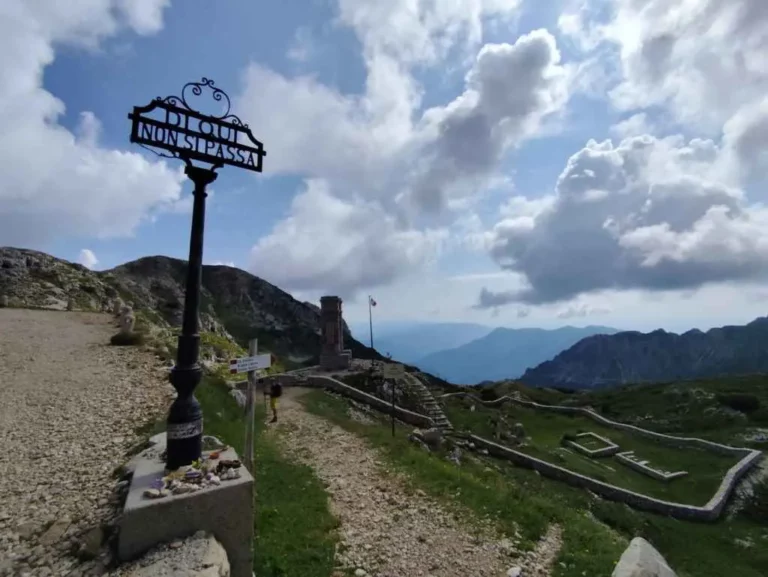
[(756, 506), (626, 520), (760, 416), (488, 394), (741, 402), (567, 437), (127, 340)]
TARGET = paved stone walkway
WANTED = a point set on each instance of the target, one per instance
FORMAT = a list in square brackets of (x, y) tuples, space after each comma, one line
[(69, 404)]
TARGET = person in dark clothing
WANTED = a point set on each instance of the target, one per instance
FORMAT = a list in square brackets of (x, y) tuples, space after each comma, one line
[(275, 392)]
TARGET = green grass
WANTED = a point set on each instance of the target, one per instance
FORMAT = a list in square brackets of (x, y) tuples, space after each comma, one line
[(514, 498), (688, 408), (545, 430), (595, 531), (295, 532), (220, 346), (591, 443)]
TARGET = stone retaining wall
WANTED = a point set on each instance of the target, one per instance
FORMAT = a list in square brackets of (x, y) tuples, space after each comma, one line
[(609, 449), (626, 460), (415, 419), (709, 512)]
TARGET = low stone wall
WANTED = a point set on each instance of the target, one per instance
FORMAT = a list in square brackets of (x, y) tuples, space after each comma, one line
[(671, 440), (610, 448), (625, 459), (415, 419), (709, 512)]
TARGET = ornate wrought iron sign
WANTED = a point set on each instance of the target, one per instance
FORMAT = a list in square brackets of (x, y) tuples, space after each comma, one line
[(172, 125)]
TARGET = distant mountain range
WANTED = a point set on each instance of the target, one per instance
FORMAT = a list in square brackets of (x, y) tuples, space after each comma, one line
[(503, 353), (408, 341), (634, 357)]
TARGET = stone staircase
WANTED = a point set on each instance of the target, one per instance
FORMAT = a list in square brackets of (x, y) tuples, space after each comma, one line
[(431, 407)]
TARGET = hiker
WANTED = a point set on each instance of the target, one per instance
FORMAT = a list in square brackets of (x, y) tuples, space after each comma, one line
[(275, 391)]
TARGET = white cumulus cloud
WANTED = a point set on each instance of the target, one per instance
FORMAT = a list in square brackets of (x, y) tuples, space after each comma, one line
[(327, 243), (702, 59), (87, 258), (648, 213), (56, 183), (380, 149)]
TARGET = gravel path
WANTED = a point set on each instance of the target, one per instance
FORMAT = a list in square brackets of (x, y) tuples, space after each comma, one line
[(386, 532), (70, 404)]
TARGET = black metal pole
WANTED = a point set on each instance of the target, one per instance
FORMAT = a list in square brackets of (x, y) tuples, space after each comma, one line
[(370, 326), (185, 417), (393, 407)]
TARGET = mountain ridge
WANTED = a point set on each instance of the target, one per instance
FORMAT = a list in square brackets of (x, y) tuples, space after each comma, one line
[(630, 357), (233, 302), (503, 353), (410, 343)]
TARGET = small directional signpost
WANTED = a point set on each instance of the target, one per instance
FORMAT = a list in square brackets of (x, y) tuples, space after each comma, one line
[(248, 364), (172, 125)]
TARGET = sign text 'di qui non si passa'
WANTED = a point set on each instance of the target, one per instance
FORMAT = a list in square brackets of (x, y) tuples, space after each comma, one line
[(195, 136)]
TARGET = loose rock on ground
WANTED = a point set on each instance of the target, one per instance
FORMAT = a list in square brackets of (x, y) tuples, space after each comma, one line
[(70, 406)]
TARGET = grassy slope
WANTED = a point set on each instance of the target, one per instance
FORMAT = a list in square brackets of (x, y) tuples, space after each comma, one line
[(517, 497), (685, 408), (545, 430), (294, 529)]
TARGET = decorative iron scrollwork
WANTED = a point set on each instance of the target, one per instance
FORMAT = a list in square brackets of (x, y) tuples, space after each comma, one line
[(216, 93), (182, 131)]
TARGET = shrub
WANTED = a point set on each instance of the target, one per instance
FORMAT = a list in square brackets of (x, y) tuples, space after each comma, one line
[(127, 339), (488, 394), (567, 437), (625, 520), (607, 409), (760, 416), (558, 457), (740, 402), (756, 506)]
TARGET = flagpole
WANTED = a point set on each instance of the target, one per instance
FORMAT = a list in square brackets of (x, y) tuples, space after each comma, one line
[(370, 326)]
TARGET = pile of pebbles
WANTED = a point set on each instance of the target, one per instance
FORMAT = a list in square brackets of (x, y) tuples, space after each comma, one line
[(209, 471)]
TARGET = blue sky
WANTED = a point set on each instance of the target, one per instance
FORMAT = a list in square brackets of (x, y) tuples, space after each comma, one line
[(443, 156)]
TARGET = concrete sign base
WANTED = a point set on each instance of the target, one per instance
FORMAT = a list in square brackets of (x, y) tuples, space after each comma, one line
[(226, 511)]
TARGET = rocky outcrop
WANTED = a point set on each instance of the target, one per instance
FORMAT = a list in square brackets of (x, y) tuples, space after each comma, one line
[(504, 353), (640, 559), (234, 303), (634, 357), (200, 555), (32, 279)]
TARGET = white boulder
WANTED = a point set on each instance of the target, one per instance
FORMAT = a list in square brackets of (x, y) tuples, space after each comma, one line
[(640, 559)]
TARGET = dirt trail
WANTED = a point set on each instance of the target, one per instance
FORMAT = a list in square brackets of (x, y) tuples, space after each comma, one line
[(386, 532), (69, 404)]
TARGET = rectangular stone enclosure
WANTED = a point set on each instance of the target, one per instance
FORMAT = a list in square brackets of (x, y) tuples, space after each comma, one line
[(226, 511), (606, 449)]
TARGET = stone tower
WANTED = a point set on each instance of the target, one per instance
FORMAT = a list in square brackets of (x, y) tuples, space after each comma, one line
[(333, 356)]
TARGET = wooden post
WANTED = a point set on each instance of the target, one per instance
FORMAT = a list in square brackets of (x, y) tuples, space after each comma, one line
[(249, 409)]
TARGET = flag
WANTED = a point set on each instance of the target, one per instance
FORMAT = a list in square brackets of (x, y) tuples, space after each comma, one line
[(373, 302)]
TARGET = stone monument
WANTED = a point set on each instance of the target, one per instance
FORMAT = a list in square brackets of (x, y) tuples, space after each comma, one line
[(333, 356)]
